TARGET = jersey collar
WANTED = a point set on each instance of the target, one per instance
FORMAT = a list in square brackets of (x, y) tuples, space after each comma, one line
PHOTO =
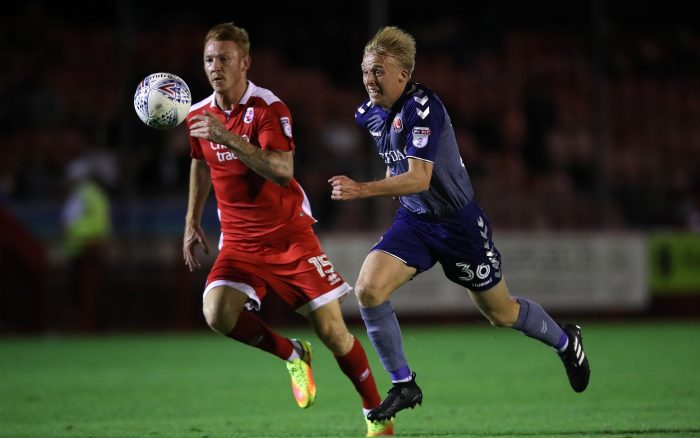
[(398, 105), (249, 91), (410, 88)]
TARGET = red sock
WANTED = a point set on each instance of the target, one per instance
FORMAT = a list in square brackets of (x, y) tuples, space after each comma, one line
[(354, 364), (251, 330)]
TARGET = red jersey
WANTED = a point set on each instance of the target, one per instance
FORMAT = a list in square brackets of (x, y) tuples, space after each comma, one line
[(250, 207)]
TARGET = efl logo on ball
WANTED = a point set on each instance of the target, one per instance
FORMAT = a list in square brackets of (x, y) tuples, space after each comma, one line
[(162, 100)]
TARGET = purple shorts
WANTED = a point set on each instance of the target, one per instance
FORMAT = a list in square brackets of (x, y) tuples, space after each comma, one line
[(461, 242)]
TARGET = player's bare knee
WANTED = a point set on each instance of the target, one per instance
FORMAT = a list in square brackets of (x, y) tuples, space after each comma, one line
[(218, 319), (368, 295), (210, 316)]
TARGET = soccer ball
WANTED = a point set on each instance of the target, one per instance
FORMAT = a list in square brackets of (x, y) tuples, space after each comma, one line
[(162, 100)]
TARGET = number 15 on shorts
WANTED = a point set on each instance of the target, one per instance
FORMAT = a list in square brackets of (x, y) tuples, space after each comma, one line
[(324, 267)]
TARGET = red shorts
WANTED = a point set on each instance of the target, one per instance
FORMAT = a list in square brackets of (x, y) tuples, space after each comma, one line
[(295, 268)]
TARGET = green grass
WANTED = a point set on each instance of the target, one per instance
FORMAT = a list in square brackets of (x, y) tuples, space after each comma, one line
[(478, 382)]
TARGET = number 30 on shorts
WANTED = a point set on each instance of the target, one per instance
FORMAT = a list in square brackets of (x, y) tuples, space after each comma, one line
[(482, 271)]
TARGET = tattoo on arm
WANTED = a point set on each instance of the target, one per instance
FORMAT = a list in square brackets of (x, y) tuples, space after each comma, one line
[(272, 165)]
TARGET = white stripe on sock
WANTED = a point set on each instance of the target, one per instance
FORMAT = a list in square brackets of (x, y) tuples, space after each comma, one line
[(296, 349), (563, 348)]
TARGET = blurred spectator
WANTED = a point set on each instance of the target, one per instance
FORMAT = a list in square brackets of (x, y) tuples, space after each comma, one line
[(87, 230)]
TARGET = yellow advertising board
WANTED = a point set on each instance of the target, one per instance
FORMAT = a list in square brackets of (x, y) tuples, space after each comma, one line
[(674, 263)]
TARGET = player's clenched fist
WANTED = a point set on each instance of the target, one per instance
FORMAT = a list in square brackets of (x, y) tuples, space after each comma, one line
[(207, 126), (344, 188)]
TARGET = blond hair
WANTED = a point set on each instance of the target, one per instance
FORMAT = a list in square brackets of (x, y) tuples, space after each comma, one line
[(395, 42), (230, 32)]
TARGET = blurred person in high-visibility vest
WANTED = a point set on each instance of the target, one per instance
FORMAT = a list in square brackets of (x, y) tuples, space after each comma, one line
[(87, 228)]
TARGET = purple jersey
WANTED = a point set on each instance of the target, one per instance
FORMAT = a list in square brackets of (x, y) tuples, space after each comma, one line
[(418, 126), (443, 224)]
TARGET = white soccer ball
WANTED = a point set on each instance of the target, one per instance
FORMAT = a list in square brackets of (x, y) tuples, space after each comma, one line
[(162, 100)]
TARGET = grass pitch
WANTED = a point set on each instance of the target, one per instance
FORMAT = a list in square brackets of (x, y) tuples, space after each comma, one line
[(477, 381)]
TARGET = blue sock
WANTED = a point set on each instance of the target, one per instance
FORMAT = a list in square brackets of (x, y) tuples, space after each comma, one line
[(385, 335), (534, 322)]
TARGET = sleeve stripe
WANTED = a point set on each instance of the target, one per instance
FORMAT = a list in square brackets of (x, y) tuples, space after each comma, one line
[(419, 158)]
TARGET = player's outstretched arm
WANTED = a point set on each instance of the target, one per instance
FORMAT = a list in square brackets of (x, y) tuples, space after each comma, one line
[(416, 180)]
